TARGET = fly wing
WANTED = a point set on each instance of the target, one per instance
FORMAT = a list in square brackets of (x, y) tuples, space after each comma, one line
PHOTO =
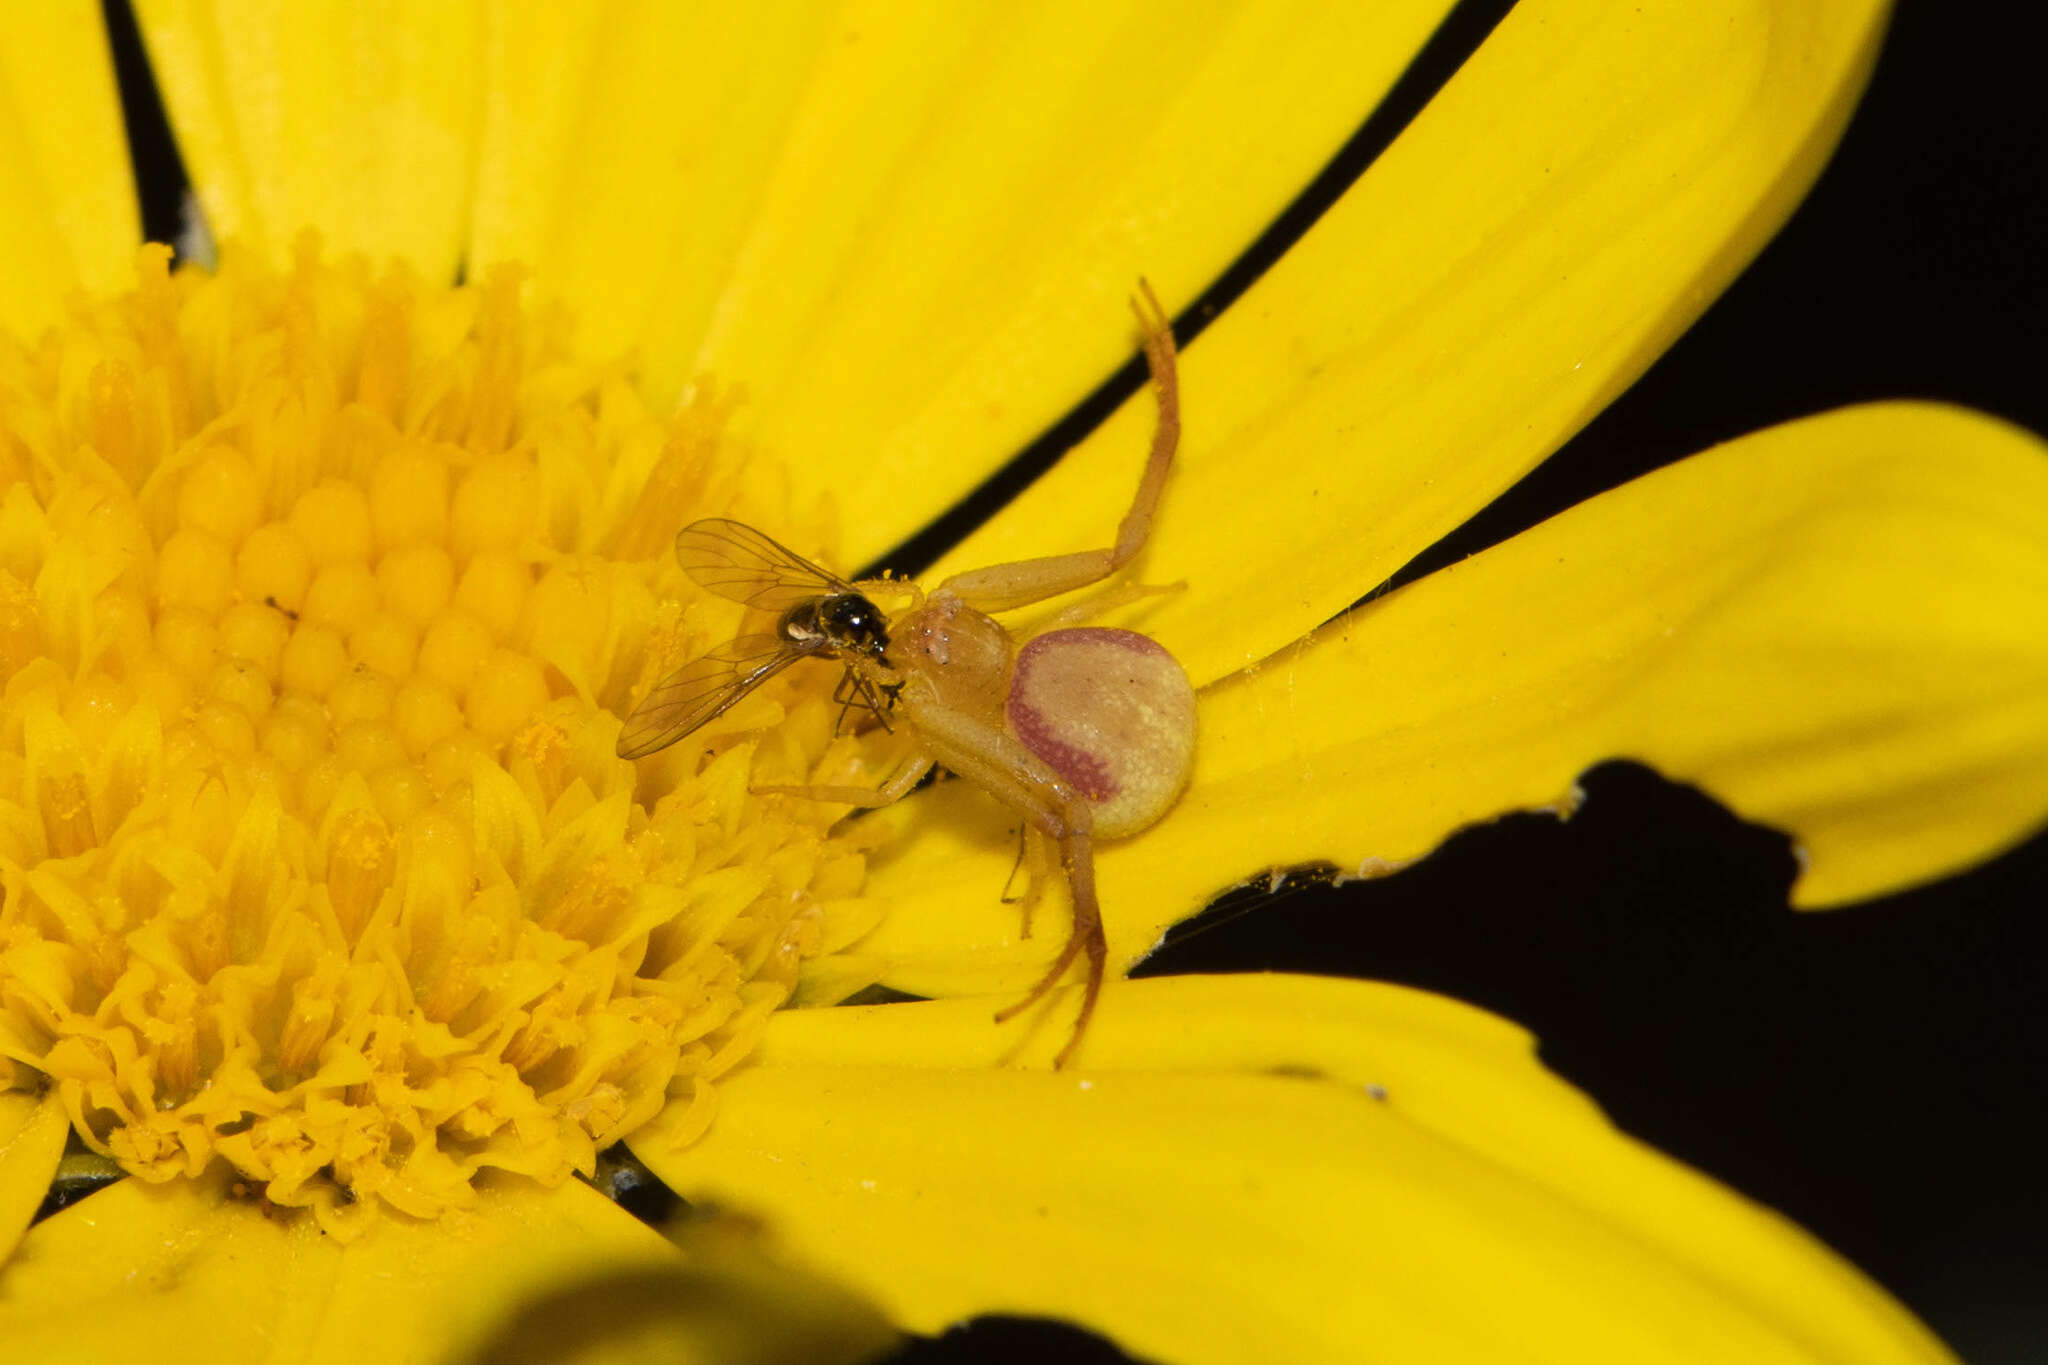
[(703, 689), (739, 563)]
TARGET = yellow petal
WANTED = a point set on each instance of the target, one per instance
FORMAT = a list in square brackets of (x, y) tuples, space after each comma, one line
[(67, 202), (1261, 1167), (723, 1302), (1574, 197), (359, 120), (909, 229), (32, 1129), (201, 1278), (204, 1278), (1834, 626), (622, 153)]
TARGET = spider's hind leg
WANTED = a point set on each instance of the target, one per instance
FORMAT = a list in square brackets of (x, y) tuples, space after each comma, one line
[(1085, 939), (1037, 860)]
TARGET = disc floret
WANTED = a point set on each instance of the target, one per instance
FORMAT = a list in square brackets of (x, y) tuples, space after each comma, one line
[(320, 594)]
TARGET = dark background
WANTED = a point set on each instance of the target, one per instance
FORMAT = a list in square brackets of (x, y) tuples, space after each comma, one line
[(1876, 1073)]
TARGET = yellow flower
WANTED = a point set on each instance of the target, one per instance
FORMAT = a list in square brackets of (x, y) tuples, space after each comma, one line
[(330, 916)]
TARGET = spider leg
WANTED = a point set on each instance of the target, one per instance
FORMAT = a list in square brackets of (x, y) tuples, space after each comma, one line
[(997, 762), (1023, 842), (1077, 855), (1003, 586), (867, 798)]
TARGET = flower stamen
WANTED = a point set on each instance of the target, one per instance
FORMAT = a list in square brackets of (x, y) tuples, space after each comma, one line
[(319, 600)]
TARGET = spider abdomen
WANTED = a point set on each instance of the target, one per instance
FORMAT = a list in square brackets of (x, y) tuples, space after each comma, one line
[(1113, 713)]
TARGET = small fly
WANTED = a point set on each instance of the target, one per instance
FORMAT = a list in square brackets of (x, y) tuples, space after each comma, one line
[(819, 615)]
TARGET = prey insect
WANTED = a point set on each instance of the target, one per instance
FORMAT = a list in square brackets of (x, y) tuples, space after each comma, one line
[(1085, 732), (819, 615)]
